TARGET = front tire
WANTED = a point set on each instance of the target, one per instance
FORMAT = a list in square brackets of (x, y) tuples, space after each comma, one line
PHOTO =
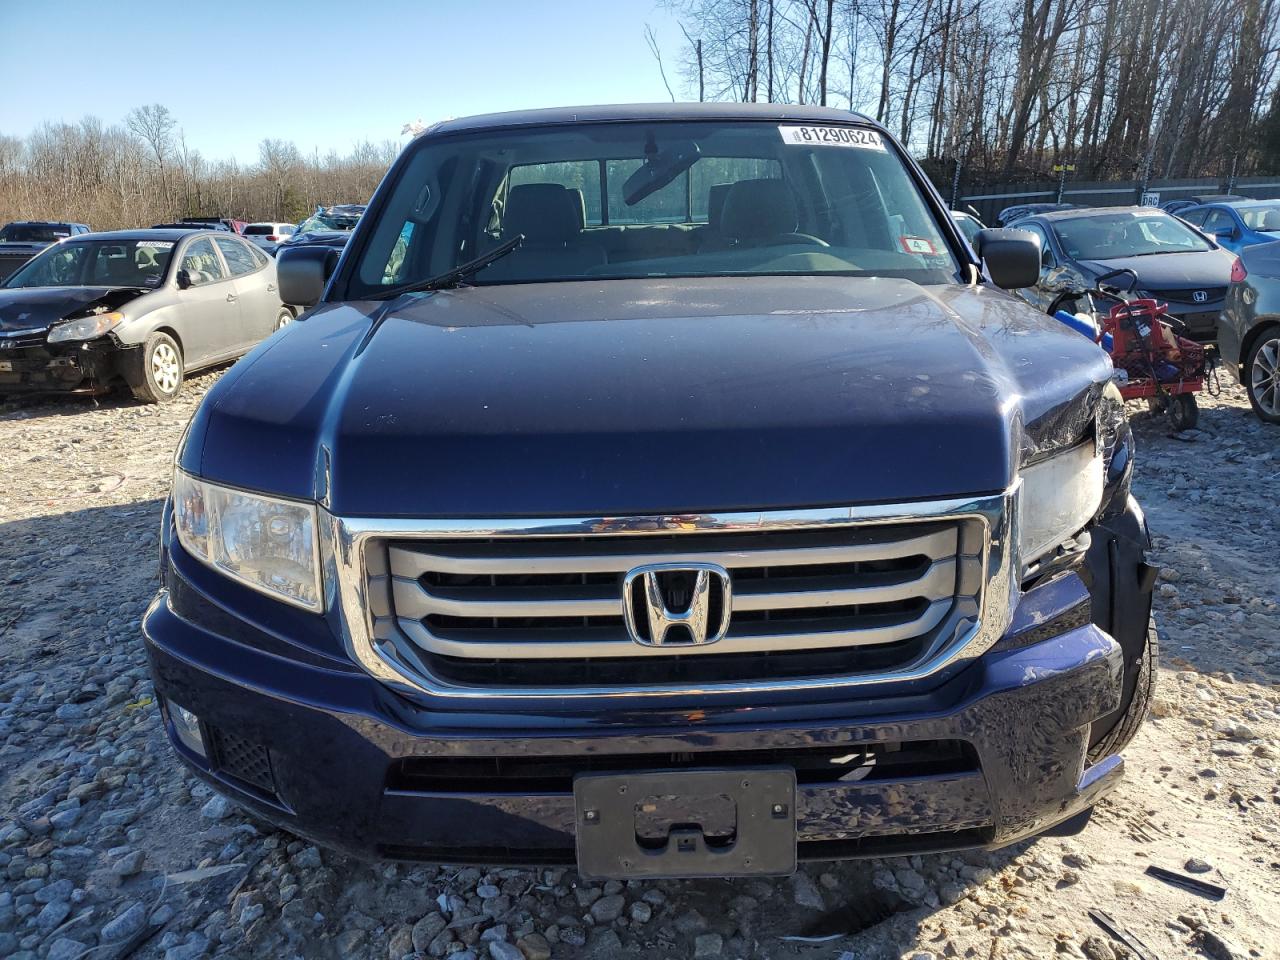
[(1184, 413), (1139, 706), (1262, 375), (284, 318), (162, 370)]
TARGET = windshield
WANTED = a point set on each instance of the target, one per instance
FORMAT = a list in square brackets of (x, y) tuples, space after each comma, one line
[(97, 263), (1112, 236), (658, 199), (1263, 217), (322, 222), (34, 233)]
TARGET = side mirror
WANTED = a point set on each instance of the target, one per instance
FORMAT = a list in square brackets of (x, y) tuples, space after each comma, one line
[(1225, 233), (184, 279), (303, 271), (1012, 257)]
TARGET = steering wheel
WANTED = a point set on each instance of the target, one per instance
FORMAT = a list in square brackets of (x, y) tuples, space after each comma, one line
[(787, 239)]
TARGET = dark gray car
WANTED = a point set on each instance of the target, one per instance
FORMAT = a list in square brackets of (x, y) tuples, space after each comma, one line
[(23, 239), (1249, 329), (139, 306), (1174, 263)]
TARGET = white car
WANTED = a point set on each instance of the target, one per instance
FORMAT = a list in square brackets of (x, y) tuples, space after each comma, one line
[(268, 234)]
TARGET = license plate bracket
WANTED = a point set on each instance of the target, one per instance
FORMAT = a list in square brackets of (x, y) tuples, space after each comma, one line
[(717, 823)]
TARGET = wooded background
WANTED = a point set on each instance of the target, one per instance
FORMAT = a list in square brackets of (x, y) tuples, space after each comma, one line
[(982, 91), (1010, 88), (141, 172)]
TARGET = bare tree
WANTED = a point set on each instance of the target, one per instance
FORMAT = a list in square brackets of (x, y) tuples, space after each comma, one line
[(652, 41), (154, 124)]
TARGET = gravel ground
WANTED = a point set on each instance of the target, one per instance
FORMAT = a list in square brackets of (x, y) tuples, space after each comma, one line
[(105, 841)]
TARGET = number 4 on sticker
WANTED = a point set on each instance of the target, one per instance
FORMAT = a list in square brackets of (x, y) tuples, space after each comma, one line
[(917, 245)]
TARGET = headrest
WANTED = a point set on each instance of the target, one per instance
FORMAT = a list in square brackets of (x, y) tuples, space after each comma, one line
[(758, 209), (543, 212), (715, 204)]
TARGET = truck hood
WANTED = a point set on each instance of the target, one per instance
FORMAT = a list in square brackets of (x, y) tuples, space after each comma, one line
[(1171, 271), (10, 247), (38, 308), (646, 396)]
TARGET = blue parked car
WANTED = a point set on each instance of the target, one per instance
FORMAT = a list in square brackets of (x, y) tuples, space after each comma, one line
[(1239, 223), (667, 489)]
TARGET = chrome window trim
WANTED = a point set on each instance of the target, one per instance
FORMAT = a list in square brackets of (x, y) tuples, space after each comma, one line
[(343, 541)]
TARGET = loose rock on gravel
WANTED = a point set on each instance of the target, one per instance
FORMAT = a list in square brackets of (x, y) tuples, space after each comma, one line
[(106, 843)]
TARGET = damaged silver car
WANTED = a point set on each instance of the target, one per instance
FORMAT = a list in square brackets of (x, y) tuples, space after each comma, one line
[(139, 308)]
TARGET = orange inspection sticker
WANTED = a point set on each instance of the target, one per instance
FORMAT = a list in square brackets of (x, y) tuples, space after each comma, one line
[(917, 245)]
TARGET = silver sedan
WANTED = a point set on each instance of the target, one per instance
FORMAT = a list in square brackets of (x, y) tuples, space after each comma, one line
[(138, 307)]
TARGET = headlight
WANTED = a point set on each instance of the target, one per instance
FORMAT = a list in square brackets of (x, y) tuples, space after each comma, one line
[(264, 542), (1059, 497), (86, 328)]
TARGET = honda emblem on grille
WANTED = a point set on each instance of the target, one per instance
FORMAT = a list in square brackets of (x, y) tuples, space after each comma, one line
[(1200, 296), (677, 604)]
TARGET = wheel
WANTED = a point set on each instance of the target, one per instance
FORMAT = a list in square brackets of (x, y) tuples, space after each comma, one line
[(1183, 412), (162, 370), (1262, 375), (1132, 715), (284, 318)]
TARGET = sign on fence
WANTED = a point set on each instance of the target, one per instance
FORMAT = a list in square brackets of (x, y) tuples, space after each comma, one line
[(1150, 199)]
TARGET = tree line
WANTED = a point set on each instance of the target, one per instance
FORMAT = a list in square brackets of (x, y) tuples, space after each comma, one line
[(1011, 88), (142, 172)]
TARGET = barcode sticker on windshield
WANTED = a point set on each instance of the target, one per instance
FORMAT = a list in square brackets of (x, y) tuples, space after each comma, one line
[(810, 136), (156, 244)]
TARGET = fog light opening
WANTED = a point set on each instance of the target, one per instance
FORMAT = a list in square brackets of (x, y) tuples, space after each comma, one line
[(186, 727)]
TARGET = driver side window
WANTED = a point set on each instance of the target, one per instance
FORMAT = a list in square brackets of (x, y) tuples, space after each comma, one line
[(1046, 252), (201, 263), (1219, 221)]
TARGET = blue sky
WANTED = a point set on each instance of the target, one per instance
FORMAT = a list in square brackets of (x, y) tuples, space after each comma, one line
[(323, 73)]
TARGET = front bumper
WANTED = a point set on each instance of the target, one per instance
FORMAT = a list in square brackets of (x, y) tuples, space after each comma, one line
[(76, 367), (327, 752), (1201, 320)]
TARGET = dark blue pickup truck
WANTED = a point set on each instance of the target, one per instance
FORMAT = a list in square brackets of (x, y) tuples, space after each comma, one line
[(666, 489)]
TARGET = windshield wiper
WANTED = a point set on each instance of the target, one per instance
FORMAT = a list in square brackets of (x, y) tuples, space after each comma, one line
[(451, 278)]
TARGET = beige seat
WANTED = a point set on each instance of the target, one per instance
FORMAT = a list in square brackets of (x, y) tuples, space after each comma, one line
[(551, 218)]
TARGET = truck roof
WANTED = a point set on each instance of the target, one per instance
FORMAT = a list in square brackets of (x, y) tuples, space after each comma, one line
[(650, 111)]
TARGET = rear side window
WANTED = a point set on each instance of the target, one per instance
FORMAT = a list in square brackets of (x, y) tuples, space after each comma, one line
[(580, 175), (239, 258), (258, 230)]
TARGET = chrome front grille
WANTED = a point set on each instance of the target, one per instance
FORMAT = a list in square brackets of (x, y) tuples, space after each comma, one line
[(829, 598), (1212, 295), (880, 587)]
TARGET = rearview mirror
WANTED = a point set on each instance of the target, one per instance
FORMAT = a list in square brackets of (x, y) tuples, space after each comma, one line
[(184, 279), (1012, 257), (659, 169), (303, 271)]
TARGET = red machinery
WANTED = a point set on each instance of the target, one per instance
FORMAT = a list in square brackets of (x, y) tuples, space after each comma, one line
[(1161, 367)]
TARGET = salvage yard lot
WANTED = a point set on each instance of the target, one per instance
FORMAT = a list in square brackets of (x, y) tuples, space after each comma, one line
[(99, 826)]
